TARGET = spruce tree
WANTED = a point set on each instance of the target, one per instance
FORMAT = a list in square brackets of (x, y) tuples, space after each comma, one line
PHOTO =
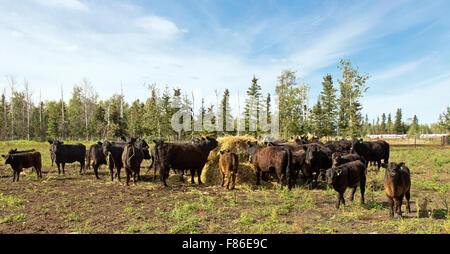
[(329, 106)]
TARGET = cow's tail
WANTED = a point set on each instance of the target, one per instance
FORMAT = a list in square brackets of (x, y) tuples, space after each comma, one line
[(132, 151)]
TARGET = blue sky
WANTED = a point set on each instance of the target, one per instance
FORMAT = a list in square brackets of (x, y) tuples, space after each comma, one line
[(201, 46)]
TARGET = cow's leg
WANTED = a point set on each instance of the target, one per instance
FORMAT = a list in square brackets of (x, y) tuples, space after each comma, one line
[(81, 166), (391, 206), (181, 175), (199, 173), (362, 186), (192, 176), (339, 199), (118, 172), (408, 208), (95, 166), (138, 173), (154, 173), (163, 175), (228, 179), (127, 176), (63, 166), (135, 174), (353, 193), (222, 178), (233, 179), (14, 175), (258, 173), (399, 206), (111, 168), (59, 171)]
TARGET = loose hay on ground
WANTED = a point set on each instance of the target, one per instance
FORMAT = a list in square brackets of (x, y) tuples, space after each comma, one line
[(236, 144)]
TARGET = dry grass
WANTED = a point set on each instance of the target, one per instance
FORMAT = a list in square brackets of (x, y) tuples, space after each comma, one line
[(238, 145)]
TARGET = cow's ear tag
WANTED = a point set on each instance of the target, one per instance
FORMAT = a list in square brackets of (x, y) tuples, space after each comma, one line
[(401, 168), (337, 174), (360, 142)]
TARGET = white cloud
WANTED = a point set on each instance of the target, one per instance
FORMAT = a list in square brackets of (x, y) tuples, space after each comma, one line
[(66, 4), (159, 27), (396, 71)]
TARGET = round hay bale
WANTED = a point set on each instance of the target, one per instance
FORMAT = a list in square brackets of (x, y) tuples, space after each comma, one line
[(236, 144)]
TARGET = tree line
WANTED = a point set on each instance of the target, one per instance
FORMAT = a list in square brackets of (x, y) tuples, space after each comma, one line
[(337, 112)]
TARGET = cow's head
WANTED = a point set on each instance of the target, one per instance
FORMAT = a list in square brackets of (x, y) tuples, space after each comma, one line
[(8, 158), (210, 142), (142, 144), (393, 169), (311, 153), (251, 149), (332, 175), (336, 159), (12, 151), (106, 147), (55, 146), (224, 151), (357, 145)]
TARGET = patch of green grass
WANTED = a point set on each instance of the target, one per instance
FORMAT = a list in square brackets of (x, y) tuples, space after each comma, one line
[(132, 229), (12, 202), (244, 219), (6, 219), (20, 217), (73, 217), (207, 203)]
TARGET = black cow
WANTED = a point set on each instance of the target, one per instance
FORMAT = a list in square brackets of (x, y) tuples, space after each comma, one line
[(133, 154), (347, 175), (95, 153), (372, 151), (318, 158), (18, 161), (115, 151), (339, 159), (183, 156), (67, 154)]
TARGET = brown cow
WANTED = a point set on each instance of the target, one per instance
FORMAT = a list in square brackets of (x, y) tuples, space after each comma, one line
[(272, 158), (18, 161), (228, 164), (397, 183)]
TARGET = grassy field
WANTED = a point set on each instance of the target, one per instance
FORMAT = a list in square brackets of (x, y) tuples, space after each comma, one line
[(81, 204)]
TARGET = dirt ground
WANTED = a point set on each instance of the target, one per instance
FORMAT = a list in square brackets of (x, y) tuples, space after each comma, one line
[(74, 203)]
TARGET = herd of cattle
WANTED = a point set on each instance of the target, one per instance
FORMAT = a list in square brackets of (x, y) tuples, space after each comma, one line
[(341, 164)]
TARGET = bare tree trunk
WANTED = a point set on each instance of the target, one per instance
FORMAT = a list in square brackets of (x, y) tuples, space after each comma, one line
[(28, 105), (62, 112), (12, 83), (5, 118)]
